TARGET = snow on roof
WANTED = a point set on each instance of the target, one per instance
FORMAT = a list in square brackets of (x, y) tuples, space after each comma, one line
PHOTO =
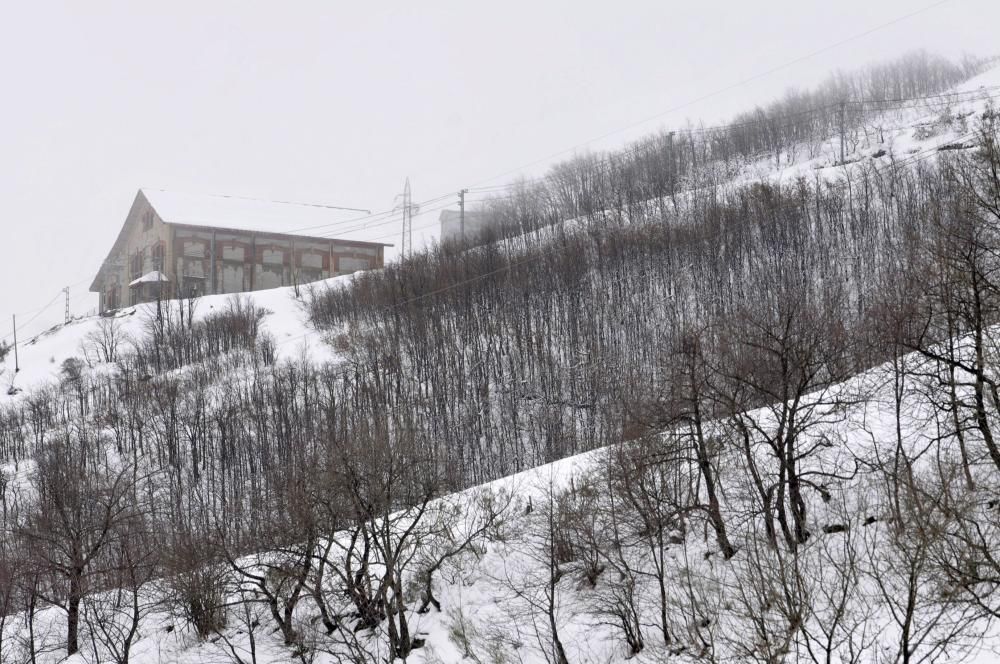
[(247, 214), (155, 275)]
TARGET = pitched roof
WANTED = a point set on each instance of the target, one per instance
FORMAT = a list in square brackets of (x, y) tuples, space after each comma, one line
[(244, 214), (247, 214)]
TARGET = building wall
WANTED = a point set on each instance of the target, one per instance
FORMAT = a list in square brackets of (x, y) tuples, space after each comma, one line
[(201, 261), (145, 249), (190, 270), (208, 261)]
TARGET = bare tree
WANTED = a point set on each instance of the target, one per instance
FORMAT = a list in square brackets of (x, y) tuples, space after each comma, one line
[(84, 506), (927, 623), (103, 344), (115, 615), (779, 377), (533, 568)]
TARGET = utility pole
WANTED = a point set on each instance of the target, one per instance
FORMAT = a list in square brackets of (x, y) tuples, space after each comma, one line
[(843, 105), (407, 226), (158, 264), (407, 207), (66, 291), (672, 171), (17, 362), (461, 211), (408, 213)]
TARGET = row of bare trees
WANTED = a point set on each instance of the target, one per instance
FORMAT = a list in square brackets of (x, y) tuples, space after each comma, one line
[(855, 109)]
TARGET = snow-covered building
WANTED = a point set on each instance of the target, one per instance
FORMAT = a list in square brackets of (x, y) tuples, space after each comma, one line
[(175, 244)]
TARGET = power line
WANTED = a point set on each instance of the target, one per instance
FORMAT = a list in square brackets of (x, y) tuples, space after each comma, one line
[(389, 216), (369, 217), (629, 152), (544, 251), (392, 217), (279, 202), (35, 317), (477, 186), (897, 103), (900, 103), (448, 204), (617, 155), (726, 88), (374, 220)]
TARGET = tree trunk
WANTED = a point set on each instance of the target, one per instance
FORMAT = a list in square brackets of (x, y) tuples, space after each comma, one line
[(714, 508), (73, 612)]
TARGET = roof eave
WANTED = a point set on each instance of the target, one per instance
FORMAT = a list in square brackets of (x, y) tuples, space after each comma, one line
[(293, 236)]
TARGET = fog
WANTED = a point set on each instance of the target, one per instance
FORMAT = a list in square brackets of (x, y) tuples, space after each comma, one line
[(338, 103)]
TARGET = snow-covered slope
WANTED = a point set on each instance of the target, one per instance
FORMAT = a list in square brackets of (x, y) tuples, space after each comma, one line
[(504, 595), (40, 357), (917, 131), (555, 559), (913, 131)]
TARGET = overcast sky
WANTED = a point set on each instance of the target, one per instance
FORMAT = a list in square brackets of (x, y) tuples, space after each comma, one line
[(338, 102)]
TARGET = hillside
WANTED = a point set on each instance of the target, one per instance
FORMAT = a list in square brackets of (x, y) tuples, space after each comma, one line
[(912, 131), (729, 399), (41, 356), (554, 539)]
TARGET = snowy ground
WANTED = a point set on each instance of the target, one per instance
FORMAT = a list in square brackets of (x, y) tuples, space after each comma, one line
[(41, 356), (914, 133), (488, 598), (491, 595)]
